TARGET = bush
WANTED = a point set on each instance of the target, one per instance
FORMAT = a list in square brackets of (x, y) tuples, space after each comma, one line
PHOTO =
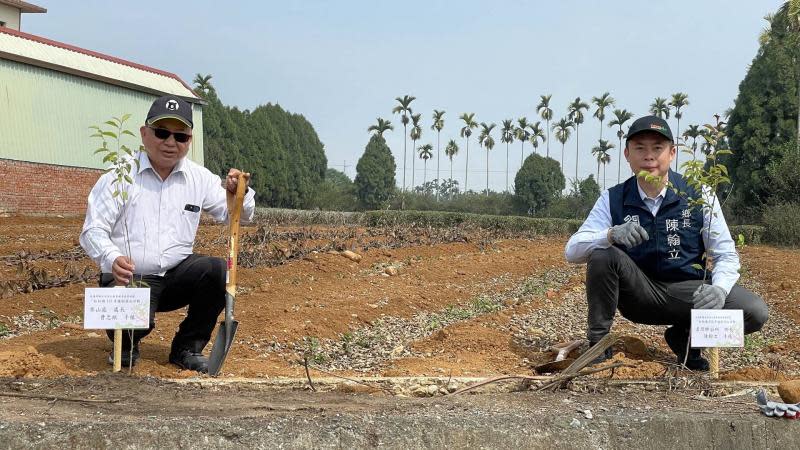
[(753, 234), (576, 204), (336, 193), (782, 224), (496, 203)]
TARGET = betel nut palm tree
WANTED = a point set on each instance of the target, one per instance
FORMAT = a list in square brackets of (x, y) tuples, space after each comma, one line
[(404, 109)]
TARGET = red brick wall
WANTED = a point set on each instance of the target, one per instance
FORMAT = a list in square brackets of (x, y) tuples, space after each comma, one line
[(44, 189)]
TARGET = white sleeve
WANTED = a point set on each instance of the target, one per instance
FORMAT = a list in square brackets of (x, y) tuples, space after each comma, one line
[(592, 234), (216, 201), (102, 213), (720, 246)]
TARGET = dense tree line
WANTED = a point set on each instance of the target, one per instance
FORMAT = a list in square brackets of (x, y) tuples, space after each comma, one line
[(280, 149)]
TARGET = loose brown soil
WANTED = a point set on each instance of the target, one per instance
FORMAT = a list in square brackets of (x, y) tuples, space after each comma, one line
[(311, 299)]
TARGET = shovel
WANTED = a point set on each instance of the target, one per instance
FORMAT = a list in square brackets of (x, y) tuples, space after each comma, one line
[(227, 328)]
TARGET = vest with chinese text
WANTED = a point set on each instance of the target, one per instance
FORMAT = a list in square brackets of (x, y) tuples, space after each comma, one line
[(675, 242)]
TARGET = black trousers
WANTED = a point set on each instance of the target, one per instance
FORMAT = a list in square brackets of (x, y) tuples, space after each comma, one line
[(199, 282), (614, 281)]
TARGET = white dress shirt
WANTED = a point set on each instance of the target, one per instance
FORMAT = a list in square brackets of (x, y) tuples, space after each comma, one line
[(162, 216), (719, 245)]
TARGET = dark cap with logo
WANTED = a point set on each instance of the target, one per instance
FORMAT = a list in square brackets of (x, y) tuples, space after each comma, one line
[(650, 123), (170, 107)]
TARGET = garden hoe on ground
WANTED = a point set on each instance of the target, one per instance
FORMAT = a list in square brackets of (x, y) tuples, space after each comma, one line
[(227, 328)]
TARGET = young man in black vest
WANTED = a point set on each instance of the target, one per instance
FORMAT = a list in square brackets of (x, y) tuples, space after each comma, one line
[(640, 243)]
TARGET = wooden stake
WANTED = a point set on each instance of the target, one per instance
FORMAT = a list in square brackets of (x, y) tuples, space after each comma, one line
[(713, 363), (117, 349)]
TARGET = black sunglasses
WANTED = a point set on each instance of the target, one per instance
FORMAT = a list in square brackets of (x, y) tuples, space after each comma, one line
[(165, 134)]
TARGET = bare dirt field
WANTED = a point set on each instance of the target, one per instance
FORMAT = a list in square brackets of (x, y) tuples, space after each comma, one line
[(420, 302)]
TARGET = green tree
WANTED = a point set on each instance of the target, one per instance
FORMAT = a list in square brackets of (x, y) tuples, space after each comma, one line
[(425, 153), (563, 129), (202, 83), (438, 125), (451, 151), (507, 137), (660, 108), (522, 134), (575, 110), (486, 140), (600, 151), (602, 102), (693, 132), (536, 134), (546, 113), (620, 117), (375, 174), (403, 108), (336, 193), (765, 113), (416, 134), (679, 100), (466, 132), (381, 127), (538, 183)]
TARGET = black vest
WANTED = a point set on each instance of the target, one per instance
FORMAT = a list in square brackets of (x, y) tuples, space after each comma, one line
[(675, 242)]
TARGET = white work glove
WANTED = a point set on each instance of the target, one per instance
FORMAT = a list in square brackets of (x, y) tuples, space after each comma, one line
[(709, 297), (630, 234)]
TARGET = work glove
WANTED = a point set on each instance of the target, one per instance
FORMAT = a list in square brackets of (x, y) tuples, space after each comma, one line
[(630, 234), (709, 297)]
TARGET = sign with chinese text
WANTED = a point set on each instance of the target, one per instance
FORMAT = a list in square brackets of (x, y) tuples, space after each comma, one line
[(717, 328), (110, 308)]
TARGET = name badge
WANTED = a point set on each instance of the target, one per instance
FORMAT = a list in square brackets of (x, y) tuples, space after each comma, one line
[(191, 208)]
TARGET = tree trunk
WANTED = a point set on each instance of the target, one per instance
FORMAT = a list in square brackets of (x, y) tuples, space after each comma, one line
[(466, 169), (413, 161), (425, 174), (619, 158), (506, 166), (451, 168), (487, 172), (598, 172), (548, 138), (577, 142), (677, 139), (438, 180), (405, 152)]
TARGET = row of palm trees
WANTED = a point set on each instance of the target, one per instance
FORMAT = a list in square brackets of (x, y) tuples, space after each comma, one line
[(533, 132)]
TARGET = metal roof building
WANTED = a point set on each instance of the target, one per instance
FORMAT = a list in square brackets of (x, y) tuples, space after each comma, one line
[(50, 93)]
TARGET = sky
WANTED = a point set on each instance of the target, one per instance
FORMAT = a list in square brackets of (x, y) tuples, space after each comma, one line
[(342, 64)]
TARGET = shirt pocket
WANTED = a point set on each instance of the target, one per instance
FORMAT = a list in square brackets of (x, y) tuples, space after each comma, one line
[(187, 226)]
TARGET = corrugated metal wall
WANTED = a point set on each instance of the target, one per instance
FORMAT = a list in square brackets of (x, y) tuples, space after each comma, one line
[(45, 115)]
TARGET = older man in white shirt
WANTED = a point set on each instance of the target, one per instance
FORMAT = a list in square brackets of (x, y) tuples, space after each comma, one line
[(643, 244), (150, 237)]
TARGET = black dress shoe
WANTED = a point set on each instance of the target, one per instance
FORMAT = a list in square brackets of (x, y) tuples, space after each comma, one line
[(127, 360), (189, 360), (605, 356), (677, 338)]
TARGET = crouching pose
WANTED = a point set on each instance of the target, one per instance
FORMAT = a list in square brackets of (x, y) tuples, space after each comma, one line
[(159, 222), (642, 243)]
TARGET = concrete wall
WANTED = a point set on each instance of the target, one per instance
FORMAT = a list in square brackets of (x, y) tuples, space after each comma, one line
[(11, 16)]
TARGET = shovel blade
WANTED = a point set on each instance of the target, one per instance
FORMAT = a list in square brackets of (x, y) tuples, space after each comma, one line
[(222, 345)]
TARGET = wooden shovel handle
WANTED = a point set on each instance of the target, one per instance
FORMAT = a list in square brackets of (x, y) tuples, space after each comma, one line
[(234, 214)]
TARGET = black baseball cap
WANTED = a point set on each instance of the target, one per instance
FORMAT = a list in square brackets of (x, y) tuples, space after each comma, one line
[(170, 107), (650, 123)]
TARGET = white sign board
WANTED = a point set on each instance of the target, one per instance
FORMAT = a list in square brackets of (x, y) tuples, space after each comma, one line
[(109, 308), (717, 328)]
